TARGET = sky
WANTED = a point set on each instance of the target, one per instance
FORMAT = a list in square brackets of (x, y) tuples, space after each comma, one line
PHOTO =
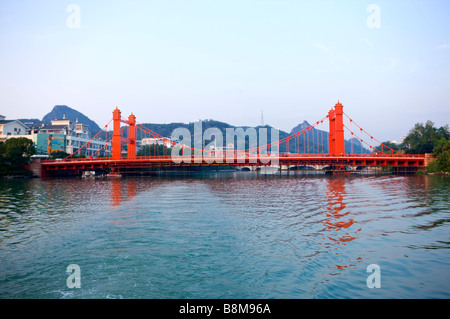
[(387, 62)]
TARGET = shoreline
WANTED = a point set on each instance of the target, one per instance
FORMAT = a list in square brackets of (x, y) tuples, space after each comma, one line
[(438, 173)]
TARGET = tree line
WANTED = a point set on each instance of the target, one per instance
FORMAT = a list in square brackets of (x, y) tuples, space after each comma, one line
[(425, 138)]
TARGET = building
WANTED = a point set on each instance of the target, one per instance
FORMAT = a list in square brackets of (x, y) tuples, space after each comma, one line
[(155, 140), (11, 128), (60, 135), (71, 137)]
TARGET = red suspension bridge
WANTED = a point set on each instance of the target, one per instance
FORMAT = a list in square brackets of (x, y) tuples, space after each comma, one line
[(308, 148)]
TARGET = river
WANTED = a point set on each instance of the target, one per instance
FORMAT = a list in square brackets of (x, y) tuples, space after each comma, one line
[(226, 235)]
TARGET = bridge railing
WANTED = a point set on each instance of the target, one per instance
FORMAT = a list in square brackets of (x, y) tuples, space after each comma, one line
[(238, 155), (353, 155)]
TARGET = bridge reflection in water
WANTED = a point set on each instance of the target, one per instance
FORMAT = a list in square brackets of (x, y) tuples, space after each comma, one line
[(339, 228), (122, 189), (339, 225)]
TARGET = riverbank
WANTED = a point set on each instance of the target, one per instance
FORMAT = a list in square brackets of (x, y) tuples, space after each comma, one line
[(17, 173), (439, 173), (18, 176)]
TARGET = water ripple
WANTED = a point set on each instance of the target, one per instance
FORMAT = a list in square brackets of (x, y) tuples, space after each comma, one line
[(226, 236)]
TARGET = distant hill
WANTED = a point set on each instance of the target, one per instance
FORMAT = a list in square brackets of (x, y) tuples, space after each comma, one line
[(315, 142), (298, 145), (31, 122), (355, 145), (300, 127), (63, 111), (167, 129)]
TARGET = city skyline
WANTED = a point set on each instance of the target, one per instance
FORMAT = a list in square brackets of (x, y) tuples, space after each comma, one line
[(180, 61)]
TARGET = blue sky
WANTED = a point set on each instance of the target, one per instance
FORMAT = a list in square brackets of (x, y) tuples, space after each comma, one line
[(180, 61)]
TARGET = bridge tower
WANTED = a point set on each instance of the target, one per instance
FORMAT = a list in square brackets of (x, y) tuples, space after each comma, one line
[(116, 140), (131, 136), (331, 134), (336, 143)]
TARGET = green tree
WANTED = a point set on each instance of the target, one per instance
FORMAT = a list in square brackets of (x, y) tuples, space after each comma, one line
[(154, 150), (14, 154), (18, 151), (387, 148), (58, 154), (423, 138), (442, 161)]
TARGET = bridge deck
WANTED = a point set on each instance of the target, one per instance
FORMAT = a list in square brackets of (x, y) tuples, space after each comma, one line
[(370, 160)]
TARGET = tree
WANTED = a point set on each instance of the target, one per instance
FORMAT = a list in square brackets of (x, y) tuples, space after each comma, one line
[(154, 150), (58, 154), (442, 161), (387, 147), (14, 154), (18, 151), (424, 138)]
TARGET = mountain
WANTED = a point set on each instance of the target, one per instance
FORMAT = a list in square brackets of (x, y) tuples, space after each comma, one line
[(316, 141), (167, 129), (300, 127), (63, 111), (353, 145), (31, 122)]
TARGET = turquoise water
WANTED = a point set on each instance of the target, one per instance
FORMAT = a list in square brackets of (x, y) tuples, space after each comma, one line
[(226, 235)]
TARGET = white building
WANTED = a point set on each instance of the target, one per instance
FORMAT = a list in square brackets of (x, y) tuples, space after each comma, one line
[(63, 135), (76, 136), (157, 141), (11, 128)]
